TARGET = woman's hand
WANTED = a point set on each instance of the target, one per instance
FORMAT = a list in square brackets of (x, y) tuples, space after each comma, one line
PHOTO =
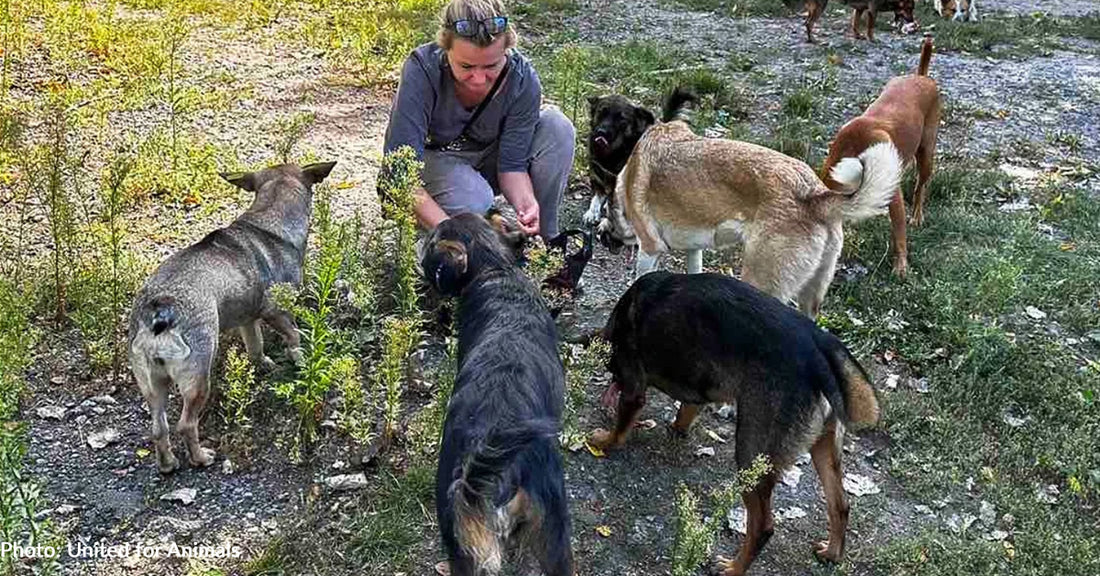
[(516, 187)]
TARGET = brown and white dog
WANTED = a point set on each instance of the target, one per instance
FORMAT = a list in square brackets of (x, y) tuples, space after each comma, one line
[(957, 10), (906, 115), (679, 191), (902, 9)]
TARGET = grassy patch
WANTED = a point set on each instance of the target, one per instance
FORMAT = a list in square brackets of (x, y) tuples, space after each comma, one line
[(1018, 36), (735, 8), (959, 321)]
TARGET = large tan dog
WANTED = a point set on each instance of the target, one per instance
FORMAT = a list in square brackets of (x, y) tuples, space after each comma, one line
[(907, 115), (679, 191)]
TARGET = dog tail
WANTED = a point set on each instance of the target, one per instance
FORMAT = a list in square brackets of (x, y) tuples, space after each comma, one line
[(868, 181), (925, 55), (854, 400), (674, 105), (488, 502), (160, 314)]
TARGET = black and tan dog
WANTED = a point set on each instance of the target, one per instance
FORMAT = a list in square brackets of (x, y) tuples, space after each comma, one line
[(617, 125), (218, 284), (907, 116), (710, 338), (500, 485), (902, 9)]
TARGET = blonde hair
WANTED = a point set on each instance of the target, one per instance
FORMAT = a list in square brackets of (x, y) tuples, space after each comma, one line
[(476, 10)]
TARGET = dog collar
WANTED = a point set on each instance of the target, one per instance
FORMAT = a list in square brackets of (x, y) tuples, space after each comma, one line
[(606, 173)]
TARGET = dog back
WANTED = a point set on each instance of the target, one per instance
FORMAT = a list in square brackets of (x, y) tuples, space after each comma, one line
[(500, 481), (712, 338)]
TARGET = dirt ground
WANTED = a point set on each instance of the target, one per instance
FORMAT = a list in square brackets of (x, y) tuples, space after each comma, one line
[(115, 493)]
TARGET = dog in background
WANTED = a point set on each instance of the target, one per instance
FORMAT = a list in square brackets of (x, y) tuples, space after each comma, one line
[(711, 338), (679, 191), (217, 284), (902, 9), (616, 127), (907, 116), (500, 482), (957, 10)]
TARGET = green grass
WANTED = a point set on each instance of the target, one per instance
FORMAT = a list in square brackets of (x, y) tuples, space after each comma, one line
[(734, 7), (973, 270), (1017, 36)]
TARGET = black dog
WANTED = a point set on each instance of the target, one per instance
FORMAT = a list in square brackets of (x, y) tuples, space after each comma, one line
[(617, 125), (902, 9), (499, 485), (711, 338)]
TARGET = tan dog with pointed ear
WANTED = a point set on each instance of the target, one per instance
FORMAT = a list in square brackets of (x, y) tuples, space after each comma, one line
[(218, 284), (907, 115), (679, 191)]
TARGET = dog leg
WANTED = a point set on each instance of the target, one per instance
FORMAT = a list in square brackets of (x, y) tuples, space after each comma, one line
[(813, 292), (645, 263), (253, 336), (684, 417), (897, 234), (630, 404), (695, 261), (871, 23), (857, 17), (826, 457), (195, 389), (760, 525), (781, 265), (154, 387), (813, 12), (283, 322), (926, 156), (595, 210), (972, 11)]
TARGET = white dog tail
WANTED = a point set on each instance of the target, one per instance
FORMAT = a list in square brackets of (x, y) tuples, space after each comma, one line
[(870, 181)]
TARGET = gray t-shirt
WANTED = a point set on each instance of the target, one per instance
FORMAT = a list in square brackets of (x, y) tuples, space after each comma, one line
[(426, 106)]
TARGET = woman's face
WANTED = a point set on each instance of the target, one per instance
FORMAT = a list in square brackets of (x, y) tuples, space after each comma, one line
[(475, 69)]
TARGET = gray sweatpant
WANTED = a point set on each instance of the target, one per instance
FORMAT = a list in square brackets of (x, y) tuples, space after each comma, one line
[(467, 181)]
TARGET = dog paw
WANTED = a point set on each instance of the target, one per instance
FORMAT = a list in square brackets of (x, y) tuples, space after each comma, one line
[(901, 268), (590, 219), (726, 567), (167, 462), (602, 439), (825, 553), (202, 457)]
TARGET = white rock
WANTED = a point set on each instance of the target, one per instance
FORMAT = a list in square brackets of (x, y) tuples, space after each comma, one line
[(726, 410), (803, 459), (923, 510), (737, 519), (996, 535), (1019, 172), (1047, 494), (705, 451), (228, 467), (791, 476), (51, 412), (892, 381), (859, 485), (105, 399), (1035, 313), (987, 513), (792, 513), (959, 524), (270, 524), (185, 496), (176, 524), (1014, 421), (347, 481), (100, 440), (1015, 206)]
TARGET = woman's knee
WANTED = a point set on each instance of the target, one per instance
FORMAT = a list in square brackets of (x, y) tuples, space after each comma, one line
[(555, 129)]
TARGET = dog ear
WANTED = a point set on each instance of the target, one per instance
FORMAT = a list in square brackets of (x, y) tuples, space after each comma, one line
[(315, 173), (593, 101), (643, 119), (445, 266), (514, 240), (242, 180)]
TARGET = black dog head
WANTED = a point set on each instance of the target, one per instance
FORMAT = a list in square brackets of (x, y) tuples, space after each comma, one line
[(617, 125), (463, 246), (903, 15)]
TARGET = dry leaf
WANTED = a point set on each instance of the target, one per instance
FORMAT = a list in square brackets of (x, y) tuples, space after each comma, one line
[(604, 530)]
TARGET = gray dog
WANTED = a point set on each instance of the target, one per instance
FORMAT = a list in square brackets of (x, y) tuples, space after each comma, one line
[(218, 284)]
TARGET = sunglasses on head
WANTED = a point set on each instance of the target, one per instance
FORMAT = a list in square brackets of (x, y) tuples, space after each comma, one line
[(468, 28)]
